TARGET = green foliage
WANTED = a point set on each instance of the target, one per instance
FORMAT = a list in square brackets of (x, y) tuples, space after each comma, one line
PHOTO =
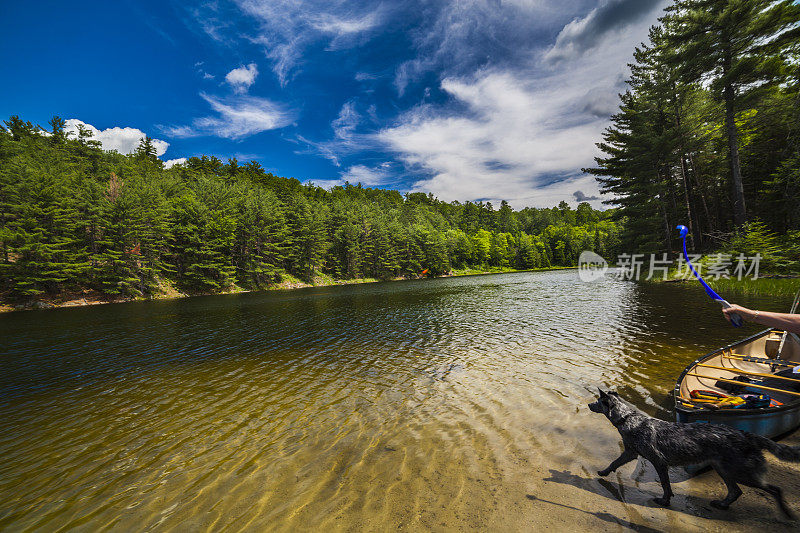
[(756, 238), (708, 132), (74, 217)]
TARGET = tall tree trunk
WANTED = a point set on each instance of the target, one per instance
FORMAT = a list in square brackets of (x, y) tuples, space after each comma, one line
[(686, 199), (701, 190), (662, 206), (684, 169), (733, 145)]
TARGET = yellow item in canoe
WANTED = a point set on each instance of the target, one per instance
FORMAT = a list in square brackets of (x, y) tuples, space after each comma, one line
[(733, 401)]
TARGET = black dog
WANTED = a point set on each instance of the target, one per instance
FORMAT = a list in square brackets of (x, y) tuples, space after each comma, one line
[(737, 456)]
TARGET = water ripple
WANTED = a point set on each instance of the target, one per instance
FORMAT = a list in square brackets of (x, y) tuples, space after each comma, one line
[(414, 404)]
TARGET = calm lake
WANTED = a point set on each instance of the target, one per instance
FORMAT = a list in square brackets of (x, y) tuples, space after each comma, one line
[(455, 403)]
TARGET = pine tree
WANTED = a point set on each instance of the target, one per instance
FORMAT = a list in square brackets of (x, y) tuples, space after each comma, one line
[(737, 46)]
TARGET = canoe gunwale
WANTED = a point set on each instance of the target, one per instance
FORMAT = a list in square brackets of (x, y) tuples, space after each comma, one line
[(726, 413)]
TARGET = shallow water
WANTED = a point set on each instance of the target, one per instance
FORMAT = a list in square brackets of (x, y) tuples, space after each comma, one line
[(440, 404)]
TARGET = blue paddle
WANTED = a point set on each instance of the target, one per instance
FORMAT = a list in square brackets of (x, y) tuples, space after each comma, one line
[(736, 320)]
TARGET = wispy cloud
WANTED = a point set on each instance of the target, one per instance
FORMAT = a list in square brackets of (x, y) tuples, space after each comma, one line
[(236, 117), (514, 136), (123, 140), (345, 139), (457, 38), (240, 79), (288, 27), (506, 107), (336, 25)]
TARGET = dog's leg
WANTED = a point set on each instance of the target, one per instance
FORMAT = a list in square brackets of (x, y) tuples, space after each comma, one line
[(777, 493), (663, 474), (733, 489), (626, 457)]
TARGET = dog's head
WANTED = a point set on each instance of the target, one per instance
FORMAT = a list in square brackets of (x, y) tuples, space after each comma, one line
[(604, 403)]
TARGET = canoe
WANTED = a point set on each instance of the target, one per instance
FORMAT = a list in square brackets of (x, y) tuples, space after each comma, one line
[(757, 358)]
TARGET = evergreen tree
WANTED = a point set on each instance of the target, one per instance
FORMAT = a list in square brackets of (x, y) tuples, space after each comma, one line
[(737, 46)]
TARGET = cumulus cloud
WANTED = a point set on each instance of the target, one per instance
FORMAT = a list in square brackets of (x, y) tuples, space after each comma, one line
[(367, 176), (123, 140), (610, 17), (172, 162), (236, 117), (370, 177), (580, 196), (507, 143), (240, 79)]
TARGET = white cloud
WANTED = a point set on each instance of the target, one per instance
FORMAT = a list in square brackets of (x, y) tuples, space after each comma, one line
[(366, 176), (459, 38), (123, 140), (345, 139), (516, 138), (610, 17), (551, 194), (369, 177), (325, 184), (340, 26), (288, 27), (364, 76), (172, 162), (518, 135), (525, 108), (347, 121), (236, 117), (242, 78)]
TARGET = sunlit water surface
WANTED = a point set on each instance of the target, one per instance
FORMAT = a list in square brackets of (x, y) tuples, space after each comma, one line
[(437, 404)]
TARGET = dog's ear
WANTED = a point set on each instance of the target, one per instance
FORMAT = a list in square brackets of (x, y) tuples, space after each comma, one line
[(613, 393), (602, 394)]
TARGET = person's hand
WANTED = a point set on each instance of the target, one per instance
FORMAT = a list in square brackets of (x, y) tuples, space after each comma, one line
[(745, 313)]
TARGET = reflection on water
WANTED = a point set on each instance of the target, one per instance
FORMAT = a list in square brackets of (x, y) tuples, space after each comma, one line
[(429, 404)]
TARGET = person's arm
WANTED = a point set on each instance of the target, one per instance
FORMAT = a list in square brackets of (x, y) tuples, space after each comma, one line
[(785, 321)]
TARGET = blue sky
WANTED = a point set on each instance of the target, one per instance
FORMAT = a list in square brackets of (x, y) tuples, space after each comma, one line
[(482, 100)]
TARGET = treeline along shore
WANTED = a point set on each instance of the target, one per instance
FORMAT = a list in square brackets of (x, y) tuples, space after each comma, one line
[(78, 219), (707, 134)]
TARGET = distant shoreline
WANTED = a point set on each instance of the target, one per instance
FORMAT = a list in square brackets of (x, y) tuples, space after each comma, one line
[(87, 298)]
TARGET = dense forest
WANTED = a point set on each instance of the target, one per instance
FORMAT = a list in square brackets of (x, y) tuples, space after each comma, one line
[(76, 217), (708, 132)]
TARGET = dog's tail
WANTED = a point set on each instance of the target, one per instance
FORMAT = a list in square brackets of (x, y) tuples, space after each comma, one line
[(781, 451)]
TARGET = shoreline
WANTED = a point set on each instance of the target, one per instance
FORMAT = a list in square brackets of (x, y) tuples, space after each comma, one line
[(91, 297), (775, 285)]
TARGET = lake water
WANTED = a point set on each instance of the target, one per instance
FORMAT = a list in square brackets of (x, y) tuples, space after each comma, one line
[(441, 404)]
